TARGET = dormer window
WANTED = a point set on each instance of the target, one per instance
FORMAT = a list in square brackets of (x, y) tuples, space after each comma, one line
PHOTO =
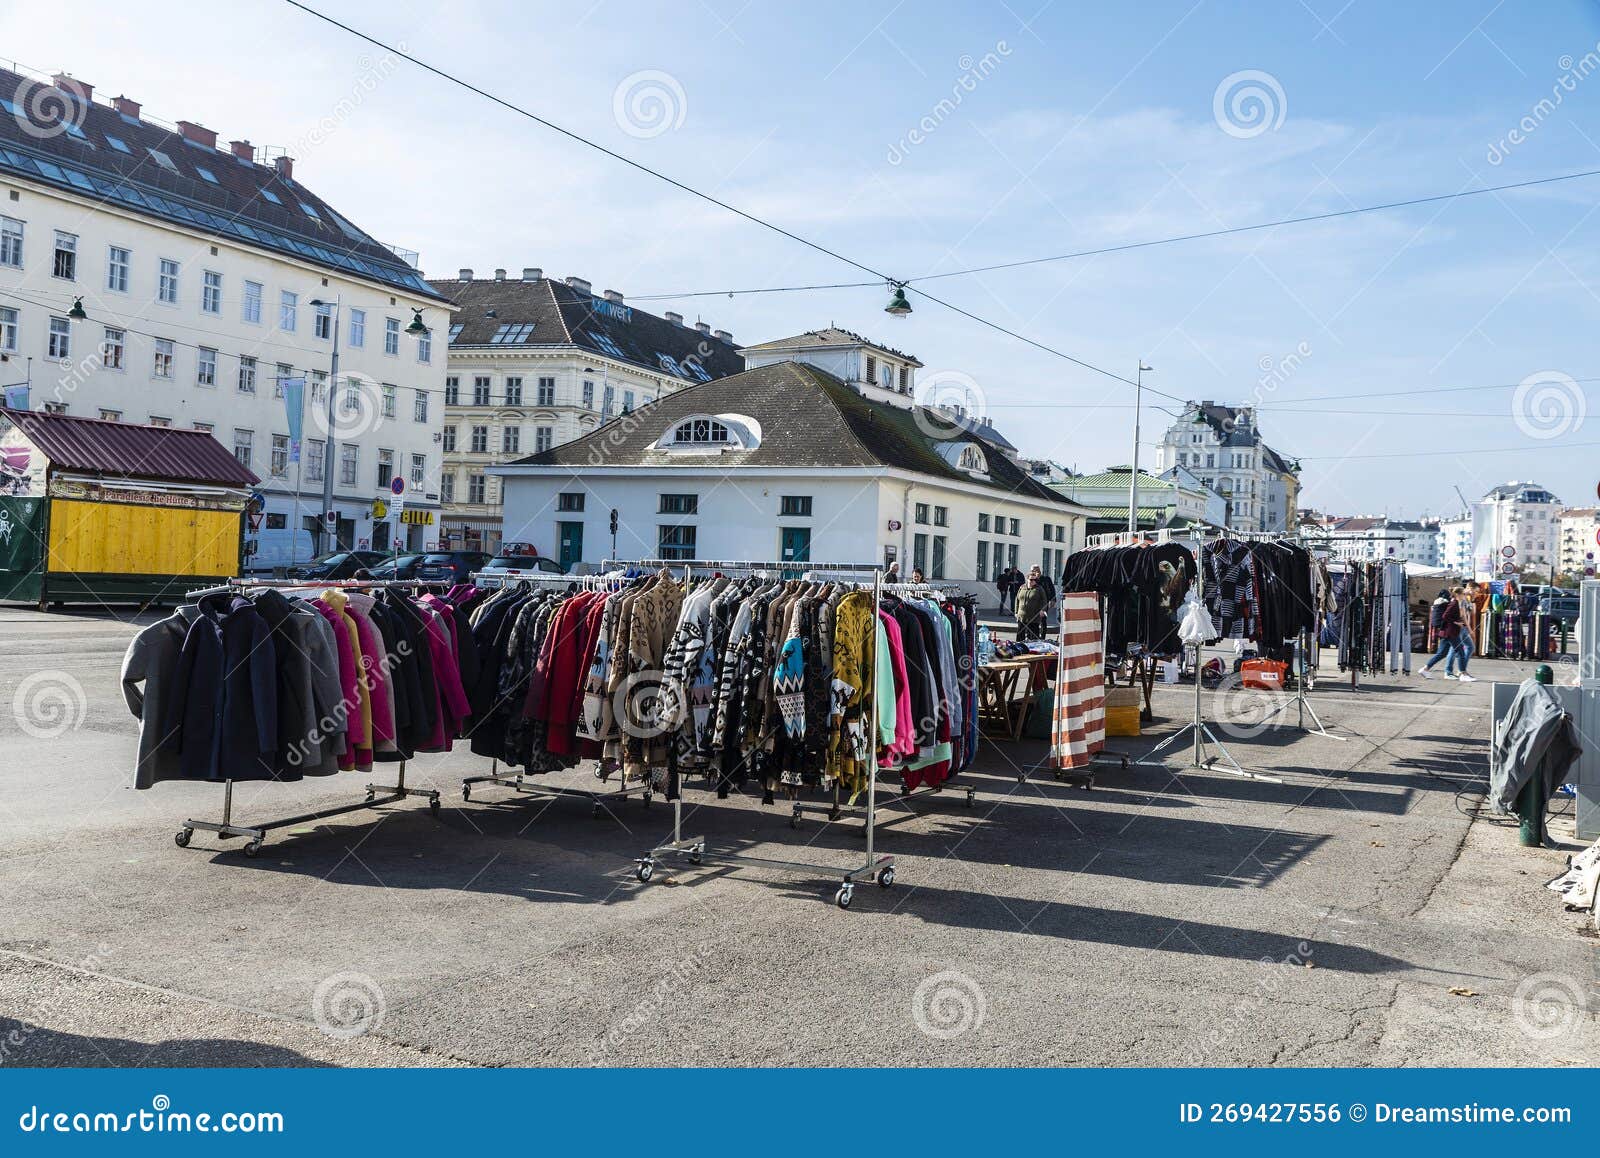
[(967, 457), (702, 432), (711, 434), (972, 459)]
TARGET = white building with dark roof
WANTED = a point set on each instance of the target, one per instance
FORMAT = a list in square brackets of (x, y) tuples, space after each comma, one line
[(148, 275), (1223, 447), (536, 362)]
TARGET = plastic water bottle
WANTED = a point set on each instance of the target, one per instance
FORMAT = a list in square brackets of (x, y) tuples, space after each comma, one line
[(985, 644)]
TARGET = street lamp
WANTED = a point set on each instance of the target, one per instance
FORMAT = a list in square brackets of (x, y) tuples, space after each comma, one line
[(327, 450), (417, 328), (1133, 479), (77, 312), (898, 305)]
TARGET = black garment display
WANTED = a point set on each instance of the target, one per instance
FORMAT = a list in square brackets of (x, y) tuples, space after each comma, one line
[(1141, 589), (223, 716)]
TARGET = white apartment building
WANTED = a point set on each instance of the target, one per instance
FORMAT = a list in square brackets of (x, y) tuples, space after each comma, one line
[(1455, 545), (535, 363), (1223, 446), (1370, 539), (1516, 524), (149, 276), (1579, 539)]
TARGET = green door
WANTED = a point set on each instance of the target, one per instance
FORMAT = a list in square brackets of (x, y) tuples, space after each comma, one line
[(22, 549), (571, 536), (796, 545)]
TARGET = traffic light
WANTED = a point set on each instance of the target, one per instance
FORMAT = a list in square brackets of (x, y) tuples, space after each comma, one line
[(613, 520)]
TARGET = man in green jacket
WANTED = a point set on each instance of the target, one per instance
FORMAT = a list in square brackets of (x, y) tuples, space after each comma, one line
[(1032, 604)]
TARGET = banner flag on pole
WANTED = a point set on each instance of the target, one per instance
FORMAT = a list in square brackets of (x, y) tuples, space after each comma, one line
[(294, 403)]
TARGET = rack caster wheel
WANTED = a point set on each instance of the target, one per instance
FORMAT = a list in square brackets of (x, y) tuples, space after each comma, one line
[(182, 836), (886, 876), (466, 792), (844, 896), (253, 849), (696, 856), (645, 871), (371, 795), (794, 819), (433, 805), (971, 797)]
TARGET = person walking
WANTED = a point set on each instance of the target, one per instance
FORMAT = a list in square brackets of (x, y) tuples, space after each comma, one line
[(1465, 641), (1030, 608), (1002, 584), (1445, 618)]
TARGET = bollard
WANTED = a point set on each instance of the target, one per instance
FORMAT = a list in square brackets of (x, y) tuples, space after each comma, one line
[(1531, 801)]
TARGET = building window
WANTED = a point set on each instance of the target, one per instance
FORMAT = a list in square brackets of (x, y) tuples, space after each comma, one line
[(319, 387), (211, 292), (243, 440), (588, 395), (938, 558), (55, 407), (247, 374), (794, 507), (627, 402), (388, 393), (385, 468), (543, 438), (449, 441), (204, 427), (570, 501), (905, 379), (205, 367), (112, 347), (514, 392), (475, 488), (322, 321), (480, 391), (1016, 528), (11, 242), (250, 309), (419, 468), (280, 455), (511, 334), (425, 347), (66, 259), (8, 329), (60, 342), (391, 335), (419, 407), (919, 553), (872, 369), (118, 261), (159, 420), (480, 440), (920, 513), (547, 391), (452, 391), (358, 328), (983, 561), (679, 505), (315, 455), (110, 415), (349, 462), (167, 282), (675, 543), (608, 400), (510, 439), (288, 310), (284, 371), (983, 526), (941, 516), (447, 487)]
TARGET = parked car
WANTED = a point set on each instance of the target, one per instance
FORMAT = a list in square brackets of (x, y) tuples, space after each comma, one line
[(1564, 606), (449, 566), (525, 563), (336, 565), (398, 566)]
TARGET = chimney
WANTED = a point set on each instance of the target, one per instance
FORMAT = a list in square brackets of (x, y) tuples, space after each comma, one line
[(126, 107), (80, 89), (532, 273), (725, 336), (499, 275), (580, 285), (703, 327), (613, 296), (284, 166), (244, 150), (197, 134), (464, 274), (675, 319)]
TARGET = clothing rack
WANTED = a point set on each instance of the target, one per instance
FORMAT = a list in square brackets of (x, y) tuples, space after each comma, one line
[(255, 834), (876, 866), (518, 781)]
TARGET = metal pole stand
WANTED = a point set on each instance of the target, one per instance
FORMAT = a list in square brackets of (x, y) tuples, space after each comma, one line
[(255, 834), (1300, 702), (514, 781), (1202, 734)]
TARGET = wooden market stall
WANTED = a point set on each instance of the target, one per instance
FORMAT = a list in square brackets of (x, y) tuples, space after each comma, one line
[(113, 512)]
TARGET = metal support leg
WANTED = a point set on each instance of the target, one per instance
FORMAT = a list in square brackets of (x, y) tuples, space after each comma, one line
[(1202, 734)]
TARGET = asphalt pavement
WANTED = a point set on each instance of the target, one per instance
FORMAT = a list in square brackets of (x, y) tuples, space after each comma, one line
[(1361, 909)]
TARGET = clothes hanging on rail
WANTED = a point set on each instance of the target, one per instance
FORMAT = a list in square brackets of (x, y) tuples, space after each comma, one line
[(1142, 588)]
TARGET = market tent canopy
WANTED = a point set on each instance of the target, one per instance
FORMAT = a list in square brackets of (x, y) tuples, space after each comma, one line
[(128, 450)]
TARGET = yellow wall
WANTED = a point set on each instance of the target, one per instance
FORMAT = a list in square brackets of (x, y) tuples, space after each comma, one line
[(130, 540)]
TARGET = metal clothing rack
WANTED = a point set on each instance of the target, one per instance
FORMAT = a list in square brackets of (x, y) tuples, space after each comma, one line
[(876, 866), (256, 833), (518, 781)]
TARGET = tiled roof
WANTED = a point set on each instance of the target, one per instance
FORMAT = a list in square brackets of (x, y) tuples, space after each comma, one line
[(562, 315), (1115, 477), (129, 450), (808, 418), (831, 336), (145, 168)]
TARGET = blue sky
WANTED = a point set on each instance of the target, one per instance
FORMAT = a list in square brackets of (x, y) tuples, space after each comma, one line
[(1092, 125)]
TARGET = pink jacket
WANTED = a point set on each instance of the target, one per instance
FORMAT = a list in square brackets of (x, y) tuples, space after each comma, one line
[(350, 691), (373, 659), (454, 707), (905, 736)]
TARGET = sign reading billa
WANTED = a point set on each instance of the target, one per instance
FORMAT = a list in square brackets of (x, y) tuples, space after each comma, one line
[(416, 518)]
